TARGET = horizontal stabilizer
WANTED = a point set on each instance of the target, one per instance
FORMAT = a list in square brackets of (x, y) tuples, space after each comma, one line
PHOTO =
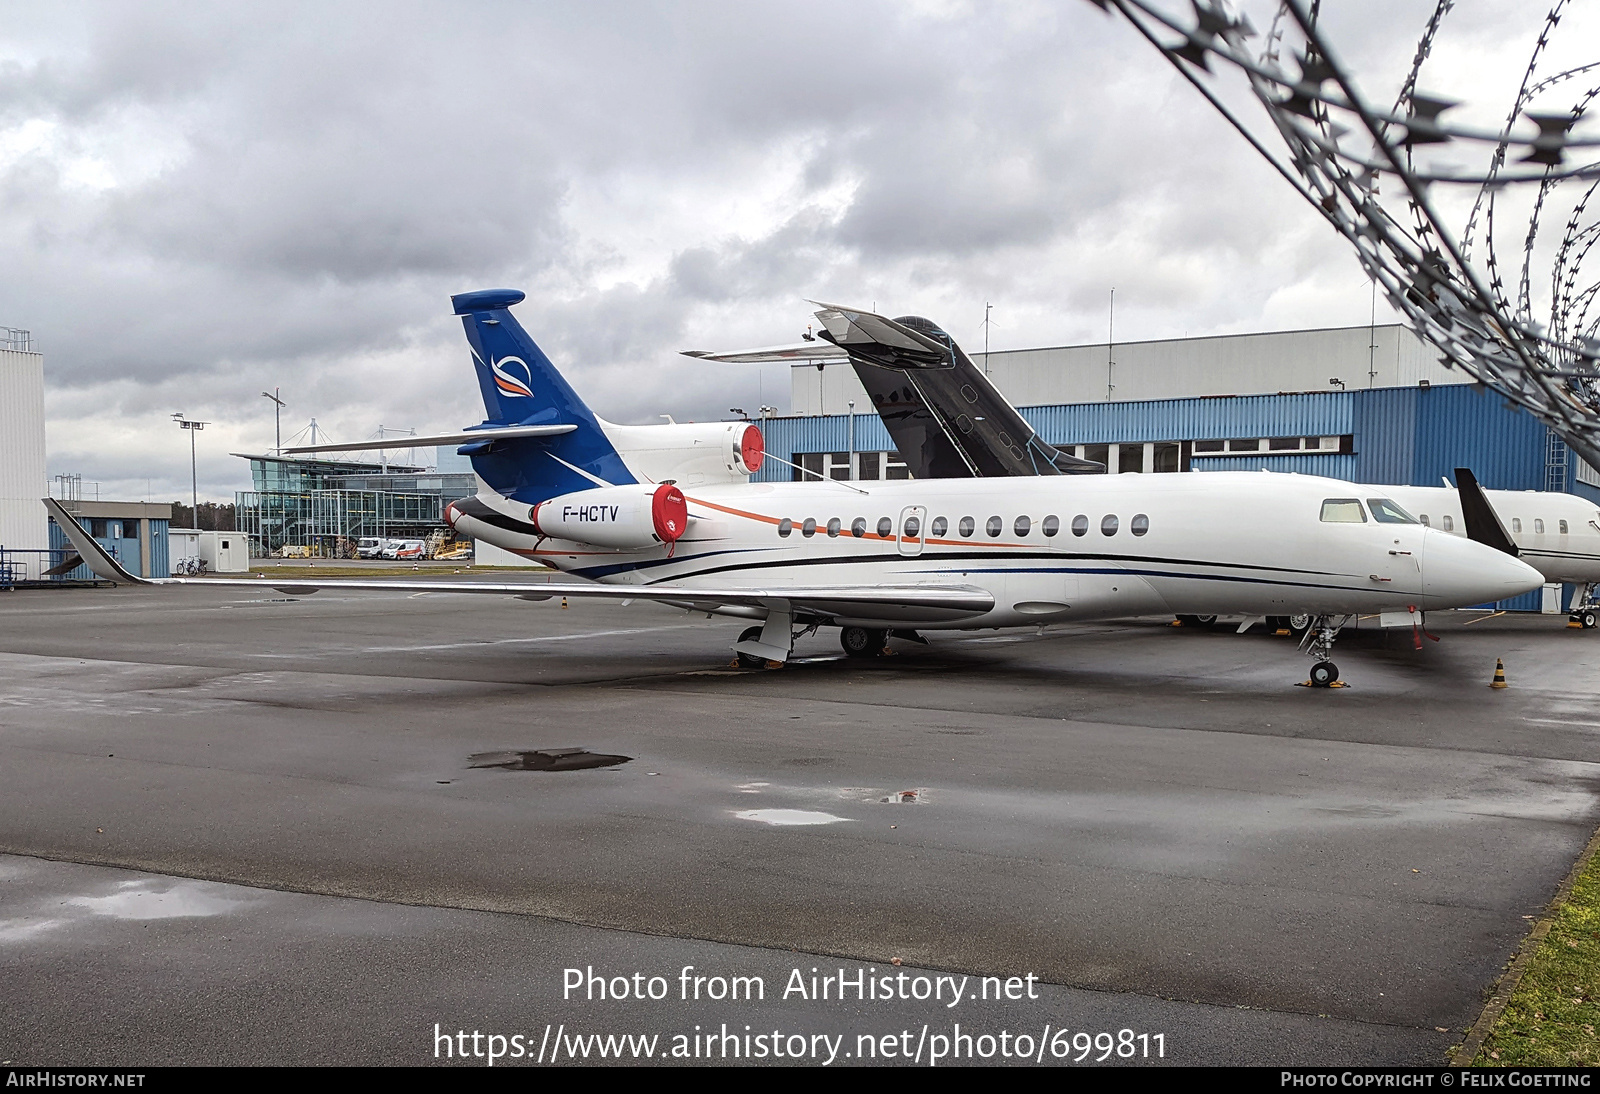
[(849, 327), (800, 352), (466, 436)]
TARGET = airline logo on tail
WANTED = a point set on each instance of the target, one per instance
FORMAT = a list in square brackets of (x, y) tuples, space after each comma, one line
[(509, 384)]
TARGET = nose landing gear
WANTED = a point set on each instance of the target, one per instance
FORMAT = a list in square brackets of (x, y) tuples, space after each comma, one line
[(1585, 608), (1320, 632)]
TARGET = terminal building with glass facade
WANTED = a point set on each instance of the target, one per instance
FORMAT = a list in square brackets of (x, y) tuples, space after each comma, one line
[(327, 505)]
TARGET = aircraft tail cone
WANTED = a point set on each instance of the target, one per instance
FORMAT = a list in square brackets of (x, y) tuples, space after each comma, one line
[(1499, 674)]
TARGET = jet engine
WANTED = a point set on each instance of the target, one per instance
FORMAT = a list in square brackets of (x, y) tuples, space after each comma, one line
[(615, 516), (690, 453)]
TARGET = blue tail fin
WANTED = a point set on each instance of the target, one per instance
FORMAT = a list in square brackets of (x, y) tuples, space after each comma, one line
[(521, 387)]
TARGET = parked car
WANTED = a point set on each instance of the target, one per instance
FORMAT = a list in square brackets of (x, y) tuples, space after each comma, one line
[(369, 547), (405, 549)]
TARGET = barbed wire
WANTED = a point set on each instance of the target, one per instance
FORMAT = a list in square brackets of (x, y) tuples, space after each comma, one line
[(1337, 147)]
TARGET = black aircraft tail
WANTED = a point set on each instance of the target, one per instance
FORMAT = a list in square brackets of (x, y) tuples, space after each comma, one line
[(946, 418)]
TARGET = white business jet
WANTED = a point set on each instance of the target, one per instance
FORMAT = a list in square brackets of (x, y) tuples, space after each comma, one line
[(899, 557), (948, 421)]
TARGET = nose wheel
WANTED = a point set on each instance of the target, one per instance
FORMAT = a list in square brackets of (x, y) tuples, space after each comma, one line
[(1320, 632)]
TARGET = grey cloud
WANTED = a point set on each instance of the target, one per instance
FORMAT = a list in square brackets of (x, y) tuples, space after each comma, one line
[(308, 184)]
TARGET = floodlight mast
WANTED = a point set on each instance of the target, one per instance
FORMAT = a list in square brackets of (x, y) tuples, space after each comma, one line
[(194, 475), (277, 420), (1426, 271)]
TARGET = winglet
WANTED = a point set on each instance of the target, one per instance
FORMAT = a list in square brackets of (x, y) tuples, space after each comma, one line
[(89, 548), (1483, 523)]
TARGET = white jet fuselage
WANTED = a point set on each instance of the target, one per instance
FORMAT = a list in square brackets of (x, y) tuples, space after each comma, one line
[(1249, 543), (1558, 534)]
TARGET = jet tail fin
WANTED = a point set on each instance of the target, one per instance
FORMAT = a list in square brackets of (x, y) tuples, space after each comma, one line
[(88, 548), (1483, 523)]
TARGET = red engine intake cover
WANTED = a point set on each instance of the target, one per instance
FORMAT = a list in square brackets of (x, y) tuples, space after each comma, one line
[(752, 449), (670, 512)]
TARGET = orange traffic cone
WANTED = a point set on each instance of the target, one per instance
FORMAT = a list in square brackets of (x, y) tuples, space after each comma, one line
[(1499, 674)]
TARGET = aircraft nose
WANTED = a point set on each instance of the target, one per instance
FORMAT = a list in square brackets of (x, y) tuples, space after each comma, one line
[(1457, 572)]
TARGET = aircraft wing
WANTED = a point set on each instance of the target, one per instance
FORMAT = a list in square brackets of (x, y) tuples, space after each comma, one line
[(465, 436), (884, 603), (799, 351)]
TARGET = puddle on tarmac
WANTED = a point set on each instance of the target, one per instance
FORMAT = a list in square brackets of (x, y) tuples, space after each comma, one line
[(158, 900), (546, 759), (789, 817)]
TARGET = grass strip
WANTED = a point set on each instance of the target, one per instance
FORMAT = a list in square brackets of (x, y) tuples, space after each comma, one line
[(1549, 1000)]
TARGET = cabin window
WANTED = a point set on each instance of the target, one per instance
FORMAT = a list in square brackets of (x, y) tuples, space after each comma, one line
[(913, 527), (939, 527), (1050, 525), (1022, 526), (964, 423), (1140, 524), (833, 528), (1562, 525), (969, 393), (809, 528), (885, 527), (1080, 525), (968, 526), (1516, 524), (1108, 525), (1424, 519), (858, 527), (1449, 523), (1538, 527), (994, 526), (785, 526), (1385, 511), (1343, 511)]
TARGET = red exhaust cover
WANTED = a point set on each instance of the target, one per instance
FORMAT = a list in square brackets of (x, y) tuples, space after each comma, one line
[(752, 449), (670, 512)]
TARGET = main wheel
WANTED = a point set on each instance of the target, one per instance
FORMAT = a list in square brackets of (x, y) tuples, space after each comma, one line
[(748, 661), (1588, 619), (862, 641), (1324, 673)]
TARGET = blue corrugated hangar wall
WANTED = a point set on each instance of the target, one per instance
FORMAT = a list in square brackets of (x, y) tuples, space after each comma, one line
[(1413, 436)]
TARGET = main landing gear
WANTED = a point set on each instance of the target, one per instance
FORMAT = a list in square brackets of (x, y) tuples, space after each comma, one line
[(1320, 631), (863, 641)]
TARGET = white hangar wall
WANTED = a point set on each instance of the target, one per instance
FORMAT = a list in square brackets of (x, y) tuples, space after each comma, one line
[(1174, 368), (22, 473)]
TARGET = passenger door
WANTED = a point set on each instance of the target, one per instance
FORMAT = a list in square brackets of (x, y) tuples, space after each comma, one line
[(913, 529)]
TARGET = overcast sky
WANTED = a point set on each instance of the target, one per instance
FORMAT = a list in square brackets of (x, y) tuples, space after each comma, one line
[(202, 201)]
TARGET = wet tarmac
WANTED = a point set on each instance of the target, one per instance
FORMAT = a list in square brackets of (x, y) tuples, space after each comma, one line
[(246, 827)]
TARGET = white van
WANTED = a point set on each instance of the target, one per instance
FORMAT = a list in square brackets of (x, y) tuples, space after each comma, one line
[(369, 547)]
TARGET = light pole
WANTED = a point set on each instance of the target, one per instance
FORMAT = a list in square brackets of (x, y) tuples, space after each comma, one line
[(852, 457), (277, 419), (194, 474)]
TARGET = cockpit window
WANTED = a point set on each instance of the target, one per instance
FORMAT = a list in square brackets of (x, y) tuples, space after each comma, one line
[(1343, 511), (1385, 511)]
